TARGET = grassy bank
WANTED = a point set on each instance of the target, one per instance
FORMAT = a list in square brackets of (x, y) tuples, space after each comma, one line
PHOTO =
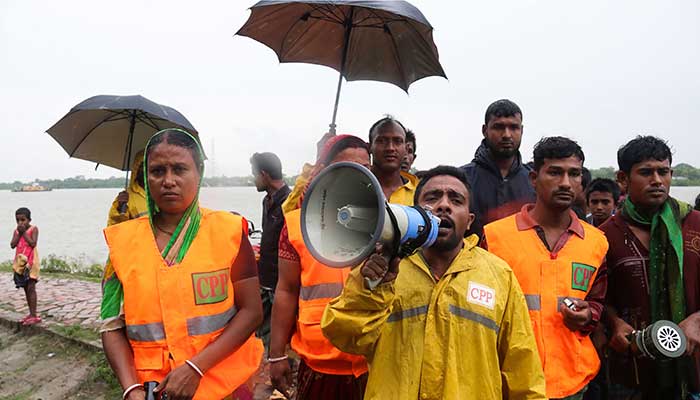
[(65, 267)]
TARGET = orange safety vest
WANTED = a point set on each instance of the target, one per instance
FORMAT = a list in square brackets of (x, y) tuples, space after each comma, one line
[(174, 312), (569, 359), (319, 285)]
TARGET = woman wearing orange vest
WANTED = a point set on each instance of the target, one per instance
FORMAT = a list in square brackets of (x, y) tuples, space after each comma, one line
[(183, 303), (304, 289)]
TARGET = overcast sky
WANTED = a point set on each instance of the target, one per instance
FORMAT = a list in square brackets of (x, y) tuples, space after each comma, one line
[(599, 72)]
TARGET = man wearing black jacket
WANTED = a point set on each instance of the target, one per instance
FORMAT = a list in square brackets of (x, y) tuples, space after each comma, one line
[(498, 177)]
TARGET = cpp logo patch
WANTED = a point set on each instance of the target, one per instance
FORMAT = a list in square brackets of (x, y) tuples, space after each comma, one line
[(210, 287), (481, 295), (581, 276)]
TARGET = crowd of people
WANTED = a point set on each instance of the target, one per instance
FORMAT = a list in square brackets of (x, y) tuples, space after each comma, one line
[(536, 282)]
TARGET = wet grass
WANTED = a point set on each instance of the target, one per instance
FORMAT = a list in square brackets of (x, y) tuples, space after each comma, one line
[(63, 268)]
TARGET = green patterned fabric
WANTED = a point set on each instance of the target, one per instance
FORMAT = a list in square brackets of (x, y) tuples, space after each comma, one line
[(665, 257), (666, 288)]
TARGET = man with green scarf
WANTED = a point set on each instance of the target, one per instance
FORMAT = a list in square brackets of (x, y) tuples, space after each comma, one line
[(653, 274)]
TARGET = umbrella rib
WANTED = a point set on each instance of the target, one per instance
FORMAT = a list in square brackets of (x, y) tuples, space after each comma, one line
[(153, 121), (284, 39), (339, 18), (90, 131), (398, 58), (143, 117), (324, 12)]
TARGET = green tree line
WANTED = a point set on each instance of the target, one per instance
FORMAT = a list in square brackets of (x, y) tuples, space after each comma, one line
[(81, 182), (683, 174)]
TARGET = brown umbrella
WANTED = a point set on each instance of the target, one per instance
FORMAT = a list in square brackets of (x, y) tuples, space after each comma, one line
[(388, 41)]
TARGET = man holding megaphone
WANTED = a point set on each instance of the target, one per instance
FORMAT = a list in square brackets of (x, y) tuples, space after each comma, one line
[(449, 321)]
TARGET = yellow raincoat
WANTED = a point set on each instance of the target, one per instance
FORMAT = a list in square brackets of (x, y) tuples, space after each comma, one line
[(466, 336), (137, 198)]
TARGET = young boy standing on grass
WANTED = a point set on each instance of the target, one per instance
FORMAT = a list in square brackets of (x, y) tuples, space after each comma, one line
[(26, 264)]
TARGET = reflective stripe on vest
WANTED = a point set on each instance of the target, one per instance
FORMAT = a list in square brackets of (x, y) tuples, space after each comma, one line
[(319, 284), (472, 316), (408, 313), (321, 291), (152, 332), (209, 323), (155, 331), (534, 302), (186, 305)]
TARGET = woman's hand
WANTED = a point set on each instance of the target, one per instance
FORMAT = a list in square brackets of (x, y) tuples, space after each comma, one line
[(281, 376), (180, 384), (136, 394)]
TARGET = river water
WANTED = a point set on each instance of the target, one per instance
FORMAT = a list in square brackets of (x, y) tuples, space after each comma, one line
[(71, 221)]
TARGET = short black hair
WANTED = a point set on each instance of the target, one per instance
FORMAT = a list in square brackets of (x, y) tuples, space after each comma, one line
[(640, 149), (502, 108), (585, 177), (697, 203), (349, 142), (24, 211), (603, 185), (388, 119), (178, 138), (411, 137), (268, 162), (439, 171), (555, 147)]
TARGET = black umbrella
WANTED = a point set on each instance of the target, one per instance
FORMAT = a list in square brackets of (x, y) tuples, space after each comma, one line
[(111, 130), (388, 41)]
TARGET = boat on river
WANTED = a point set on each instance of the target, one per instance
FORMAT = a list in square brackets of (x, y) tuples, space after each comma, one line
[(35, 187)]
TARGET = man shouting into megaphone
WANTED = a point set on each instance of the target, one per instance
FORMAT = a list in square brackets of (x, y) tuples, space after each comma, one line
[(449, 321)]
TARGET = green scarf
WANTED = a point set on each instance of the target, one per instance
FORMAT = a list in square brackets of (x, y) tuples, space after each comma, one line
[(665, 257), (666, 287), (187, 228)]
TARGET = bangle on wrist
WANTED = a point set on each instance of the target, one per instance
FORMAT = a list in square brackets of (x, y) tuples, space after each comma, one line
[(194, 367), (277, 359), (131, 389)]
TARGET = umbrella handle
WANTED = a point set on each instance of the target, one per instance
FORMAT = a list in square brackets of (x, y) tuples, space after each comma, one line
[(346, 42)]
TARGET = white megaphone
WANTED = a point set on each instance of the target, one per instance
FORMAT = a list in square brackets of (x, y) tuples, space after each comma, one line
[(344, 214)]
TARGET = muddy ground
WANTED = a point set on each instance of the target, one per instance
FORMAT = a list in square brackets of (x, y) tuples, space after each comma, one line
[(41, 367)]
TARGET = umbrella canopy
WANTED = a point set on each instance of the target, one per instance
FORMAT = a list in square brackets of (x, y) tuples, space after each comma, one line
[(111, 130), (388, 41)]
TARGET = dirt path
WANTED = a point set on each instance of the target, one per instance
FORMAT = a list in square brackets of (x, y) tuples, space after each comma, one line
[(38, 367)]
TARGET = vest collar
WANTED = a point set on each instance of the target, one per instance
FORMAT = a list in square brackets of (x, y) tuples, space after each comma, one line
[(524, 221)]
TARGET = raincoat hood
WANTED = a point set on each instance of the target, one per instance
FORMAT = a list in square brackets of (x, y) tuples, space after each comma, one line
[(134, 186)]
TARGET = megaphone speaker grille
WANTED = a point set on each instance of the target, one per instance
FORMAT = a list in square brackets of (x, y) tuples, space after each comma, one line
[(342, 215)]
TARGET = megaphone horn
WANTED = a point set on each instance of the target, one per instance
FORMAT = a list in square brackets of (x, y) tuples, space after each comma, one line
[(344, 214)]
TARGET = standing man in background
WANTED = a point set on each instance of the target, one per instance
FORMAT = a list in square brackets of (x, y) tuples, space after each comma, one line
[(267, 171), (387, 145), (410, 157), (497, 175)]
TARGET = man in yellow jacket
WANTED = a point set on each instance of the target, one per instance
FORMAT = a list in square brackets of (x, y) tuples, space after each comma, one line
[(449, 322), (134, 197)]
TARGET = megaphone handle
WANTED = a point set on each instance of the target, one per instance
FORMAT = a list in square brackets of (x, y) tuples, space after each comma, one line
[(371, 284)]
